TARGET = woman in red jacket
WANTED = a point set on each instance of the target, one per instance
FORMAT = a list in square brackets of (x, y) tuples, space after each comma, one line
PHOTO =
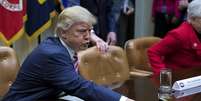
[(181, 47)]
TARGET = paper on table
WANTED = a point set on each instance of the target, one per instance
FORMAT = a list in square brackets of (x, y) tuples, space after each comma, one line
[(187, 83), (183, 93)]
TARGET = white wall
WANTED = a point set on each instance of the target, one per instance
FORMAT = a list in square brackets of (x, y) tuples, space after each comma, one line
[(143, 22)]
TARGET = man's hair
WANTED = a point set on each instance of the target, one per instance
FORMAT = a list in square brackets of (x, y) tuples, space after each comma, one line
[(72, 15), (194, 9)]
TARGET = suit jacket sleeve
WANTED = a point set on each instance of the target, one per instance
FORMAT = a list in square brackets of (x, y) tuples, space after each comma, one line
[(61, 74)]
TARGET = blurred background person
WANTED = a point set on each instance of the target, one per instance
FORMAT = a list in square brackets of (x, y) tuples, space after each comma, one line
[(105, 27), (165, 15), (123, 11)]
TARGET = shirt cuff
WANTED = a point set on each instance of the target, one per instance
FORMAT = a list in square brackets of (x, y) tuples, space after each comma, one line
[(123, 98)]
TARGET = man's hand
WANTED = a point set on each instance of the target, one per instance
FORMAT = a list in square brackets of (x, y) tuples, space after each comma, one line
[(128, 10), (100, 44), (111, 38)]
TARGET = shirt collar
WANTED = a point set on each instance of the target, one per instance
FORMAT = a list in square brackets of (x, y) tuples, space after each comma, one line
[(69, 49)]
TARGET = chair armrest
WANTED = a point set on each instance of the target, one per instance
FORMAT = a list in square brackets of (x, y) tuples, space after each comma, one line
[(140, 73)]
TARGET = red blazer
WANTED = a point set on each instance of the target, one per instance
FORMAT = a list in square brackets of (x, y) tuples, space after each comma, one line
[(180, 48)]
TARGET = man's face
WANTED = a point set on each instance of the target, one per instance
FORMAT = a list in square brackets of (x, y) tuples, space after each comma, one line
[(77, 36)]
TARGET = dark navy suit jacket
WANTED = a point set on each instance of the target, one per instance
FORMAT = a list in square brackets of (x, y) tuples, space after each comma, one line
[(48, 71)]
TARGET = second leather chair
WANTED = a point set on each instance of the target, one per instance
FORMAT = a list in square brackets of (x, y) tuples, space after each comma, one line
[(136, 52)]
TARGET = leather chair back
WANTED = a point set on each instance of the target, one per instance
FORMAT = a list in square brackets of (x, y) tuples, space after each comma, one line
[(9, 67), (104, 68), (136, 51)]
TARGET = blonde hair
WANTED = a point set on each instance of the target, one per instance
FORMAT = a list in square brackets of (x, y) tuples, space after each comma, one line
[(74, 14)]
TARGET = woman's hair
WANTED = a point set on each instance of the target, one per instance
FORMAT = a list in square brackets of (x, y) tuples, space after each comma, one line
[(194, 9), (74, 14)]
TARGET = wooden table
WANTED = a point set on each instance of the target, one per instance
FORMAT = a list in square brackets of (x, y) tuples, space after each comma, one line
[(146, 88)]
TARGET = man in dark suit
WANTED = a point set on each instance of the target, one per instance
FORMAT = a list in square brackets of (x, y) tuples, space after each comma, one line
[(49, 70)]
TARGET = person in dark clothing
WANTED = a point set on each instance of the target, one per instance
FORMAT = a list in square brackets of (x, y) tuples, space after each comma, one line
[(165, 15), (124, 18), (106, 25)]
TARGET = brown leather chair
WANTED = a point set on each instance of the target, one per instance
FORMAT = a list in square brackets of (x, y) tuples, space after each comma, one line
[(9, 67), (136, 51), (107, 69)]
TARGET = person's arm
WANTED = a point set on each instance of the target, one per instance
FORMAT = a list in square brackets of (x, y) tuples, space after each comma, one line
[(128, 7), (111, 36), (160, 50), (100, 44), (62, 76)]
